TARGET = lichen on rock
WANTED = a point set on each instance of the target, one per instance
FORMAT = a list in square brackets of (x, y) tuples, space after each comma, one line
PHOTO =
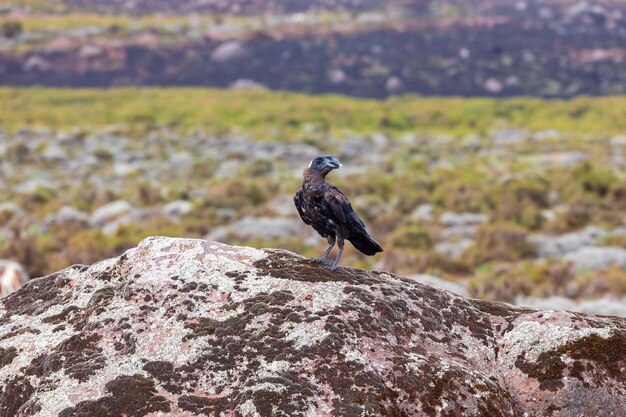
[(186, 327)]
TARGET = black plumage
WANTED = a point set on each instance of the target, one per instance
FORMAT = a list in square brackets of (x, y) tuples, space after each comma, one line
[(325, 208)]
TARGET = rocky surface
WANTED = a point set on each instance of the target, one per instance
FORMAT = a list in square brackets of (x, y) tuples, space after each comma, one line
[(190, 327)]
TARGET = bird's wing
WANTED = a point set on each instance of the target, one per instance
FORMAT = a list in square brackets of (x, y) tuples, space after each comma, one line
[(342, 208), (297, 199), (333, 205), (357, 234)]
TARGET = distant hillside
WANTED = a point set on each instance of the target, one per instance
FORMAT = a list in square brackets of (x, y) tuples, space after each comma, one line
[(552, 48)]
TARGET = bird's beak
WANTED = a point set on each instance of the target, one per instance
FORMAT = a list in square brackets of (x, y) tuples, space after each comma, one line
[(332, 162)]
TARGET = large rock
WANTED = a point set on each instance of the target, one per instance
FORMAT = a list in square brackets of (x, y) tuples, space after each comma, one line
[(188, 327)]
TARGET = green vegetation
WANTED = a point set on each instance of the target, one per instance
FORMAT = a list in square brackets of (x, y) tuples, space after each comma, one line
[(407, 152), (291, 115)]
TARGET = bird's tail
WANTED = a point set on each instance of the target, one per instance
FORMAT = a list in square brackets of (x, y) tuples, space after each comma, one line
[(365, 243)]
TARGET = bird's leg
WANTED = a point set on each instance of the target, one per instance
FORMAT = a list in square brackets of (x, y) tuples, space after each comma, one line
[(335, 264), (331, 241)]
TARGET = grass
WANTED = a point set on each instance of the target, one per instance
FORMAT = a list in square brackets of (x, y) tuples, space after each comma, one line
[(69, 21), (274, 115)]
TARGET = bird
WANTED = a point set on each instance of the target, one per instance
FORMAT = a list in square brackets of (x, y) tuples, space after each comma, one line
[(325, 208)]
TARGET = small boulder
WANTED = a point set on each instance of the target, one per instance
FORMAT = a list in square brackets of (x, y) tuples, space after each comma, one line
[(462, 219), (177, 208), (559, 246), (247, 84), (595, 258), (251, 228), (109, 212), (230, 51), (67, 216), (12, 277)]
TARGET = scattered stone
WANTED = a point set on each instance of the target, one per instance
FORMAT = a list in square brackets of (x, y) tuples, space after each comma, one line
[(337, 76), (229, 51), (36, 64), (423, 213), (12, 277), (246, 84), (135, 216), (394, 85), (607, 307), (563, 159), (493, 86), (55, 153), (177, 208), (90, 51), (559, 246), (9, 209), (454, 249), (508, 136), (443, 284), (109, 212), (251, 228), (67, 216), (462, 219), (456, 232), (595, 258)]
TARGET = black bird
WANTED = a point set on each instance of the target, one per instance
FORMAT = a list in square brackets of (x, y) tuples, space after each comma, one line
[(328, 211)]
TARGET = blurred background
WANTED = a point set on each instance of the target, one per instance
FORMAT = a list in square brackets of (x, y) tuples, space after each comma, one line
[(482, 140)]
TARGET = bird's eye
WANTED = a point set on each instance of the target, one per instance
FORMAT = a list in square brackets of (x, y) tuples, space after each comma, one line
[(318, 160)]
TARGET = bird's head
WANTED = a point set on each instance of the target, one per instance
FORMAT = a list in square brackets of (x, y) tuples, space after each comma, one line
[(325, 163)]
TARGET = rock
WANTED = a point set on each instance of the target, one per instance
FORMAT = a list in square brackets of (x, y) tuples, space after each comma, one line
[(462, 219), (463, 232), (55, 153), (109, 212), (558, 246), (394, 85), (603, 306), (35, 185), (443, 284), (36, 63), (12, 277), (67, 216), (246, 84), (134, 216), (337, 76), (229, 51), (454, 249), (595, 258), (123, 169), (9, 209), (90, 51), (564, 159), (508, 136), (177, 208), (548, 303), (181, 161), (250, 228), (493, 86), (282, 205), (423, 213), (188, 327)]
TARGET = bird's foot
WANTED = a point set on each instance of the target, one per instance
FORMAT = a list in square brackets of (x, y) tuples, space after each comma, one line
[(318, 260), (331, 267)]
